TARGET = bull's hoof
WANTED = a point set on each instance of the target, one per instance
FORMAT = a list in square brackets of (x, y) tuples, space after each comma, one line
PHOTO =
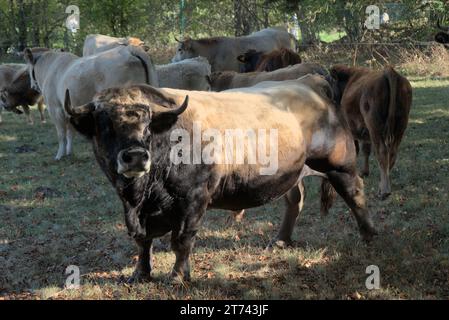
[(139, 276), (279, 244), (368, 234), (179, 278)]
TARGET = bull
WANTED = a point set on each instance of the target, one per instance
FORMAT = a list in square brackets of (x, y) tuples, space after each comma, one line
[(135, 130)]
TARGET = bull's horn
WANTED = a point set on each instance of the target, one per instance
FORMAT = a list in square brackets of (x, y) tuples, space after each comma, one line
[(174, 112), (178, 40), (87, 108), (444, 28), (181, 109)]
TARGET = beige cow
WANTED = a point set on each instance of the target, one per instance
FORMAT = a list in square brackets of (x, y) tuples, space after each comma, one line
[(96, 43), (230, 79), (222, 52), (189, 74), (54, 72)]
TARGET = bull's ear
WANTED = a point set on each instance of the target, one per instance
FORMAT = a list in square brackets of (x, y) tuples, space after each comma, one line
[(163, 121), (28, 56), (187, 43), (81, 118)]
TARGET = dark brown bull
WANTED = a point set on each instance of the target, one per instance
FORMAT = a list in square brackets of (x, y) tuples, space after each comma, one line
[(376, 105), (134, 131), (254, 60)]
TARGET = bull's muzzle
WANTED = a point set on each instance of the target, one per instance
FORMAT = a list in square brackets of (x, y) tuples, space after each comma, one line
[(133, 162)]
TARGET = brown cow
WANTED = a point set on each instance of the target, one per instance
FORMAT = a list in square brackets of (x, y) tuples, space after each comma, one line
[(376, 105), (15, 91), (225, 80), (254, 60)]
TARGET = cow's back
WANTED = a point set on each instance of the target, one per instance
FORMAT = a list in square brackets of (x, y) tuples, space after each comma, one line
[(96, 43), (188, 74), (113, 68), (242, 80), (223, 52)]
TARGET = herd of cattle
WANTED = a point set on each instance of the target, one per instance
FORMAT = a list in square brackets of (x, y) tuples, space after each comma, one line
[(126, 106)]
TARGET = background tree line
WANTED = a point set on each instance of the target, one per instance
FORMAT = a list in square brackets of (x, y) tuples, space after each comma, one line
[(41, 23)]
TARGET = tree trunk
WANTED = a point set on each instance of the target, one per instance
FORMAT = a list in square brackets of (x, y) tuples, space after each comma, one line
[(238, 18), (266, 12), (36, 9), (307, 36), (13, 35), (21, 25)]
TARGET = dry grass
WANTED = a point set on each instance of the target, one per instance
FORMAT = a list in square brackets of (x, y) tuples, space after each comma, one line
[(424, 61), (432, 62)]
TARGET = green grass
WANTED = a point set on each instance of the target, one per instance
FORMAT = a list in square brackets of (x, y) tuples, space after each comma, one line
[(82, 225), (331, 36)]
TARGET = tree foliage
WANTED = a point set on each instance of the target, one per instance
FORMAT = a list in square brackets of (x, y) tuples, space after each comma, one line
[(42, 22)]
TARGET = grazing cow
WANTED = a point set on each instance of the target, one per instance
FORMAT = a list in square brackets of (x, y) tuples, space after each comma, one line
[(10, 77), (54, 72), (189, 74), (253, 60), (225, 80), (96, 43), (136, 132), (443, 36), (222, 52), (376, 105)]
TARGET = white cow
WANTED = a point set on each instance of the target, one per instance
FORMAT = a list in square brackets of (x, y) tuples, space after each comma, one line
[(96, 43), (54, 72), (189, 74)]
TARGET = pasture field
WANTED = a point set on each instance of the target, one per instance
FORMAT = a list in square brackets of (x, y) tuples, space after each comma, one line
[(56, 214)]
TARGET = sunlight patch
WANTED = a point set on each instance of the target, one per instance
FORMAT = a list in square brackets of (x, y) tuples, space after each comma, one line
[(4, 138)]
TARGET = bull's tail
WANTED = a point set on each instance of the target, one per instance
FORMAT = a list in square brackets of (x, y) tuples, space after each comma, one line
[(328, 195), (392, 78), (150, 71)]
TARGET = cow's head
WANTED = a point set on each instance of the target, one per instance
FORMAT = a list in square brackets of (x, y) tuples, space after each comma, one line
[(249, 60), (121, 128), (338, 79), (184, 50)]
